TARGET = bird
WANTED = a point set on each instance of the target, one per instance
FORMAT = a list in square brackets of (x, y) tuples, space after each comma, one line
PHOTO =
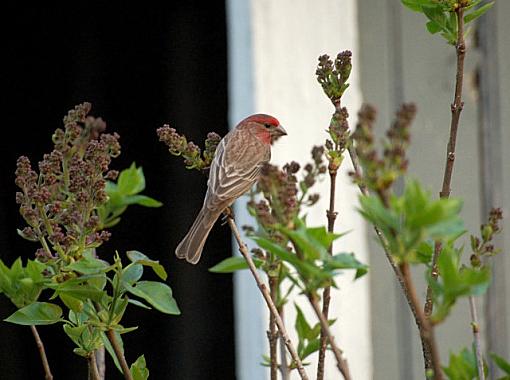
[(236, 166)]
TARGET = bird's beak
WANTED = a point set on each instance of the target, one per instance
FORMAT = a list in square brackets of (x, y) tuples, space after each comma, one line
[(279, 131)]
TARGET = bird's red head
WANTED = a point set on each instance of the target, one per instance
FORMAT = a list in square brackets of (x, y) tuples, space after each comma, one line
[(267, 128)]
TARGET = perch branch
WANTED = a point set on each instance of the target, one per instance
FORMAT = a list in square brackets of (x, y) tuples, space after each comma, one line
[(267, 297)]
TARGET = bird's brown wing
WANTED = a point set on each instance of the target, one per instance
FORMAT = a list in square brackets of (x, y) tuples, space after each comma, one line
[(235, 168)]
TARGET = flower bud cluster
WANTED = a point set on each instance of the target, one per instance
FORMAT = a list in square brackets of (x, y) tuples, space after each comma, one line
[(59, 203)]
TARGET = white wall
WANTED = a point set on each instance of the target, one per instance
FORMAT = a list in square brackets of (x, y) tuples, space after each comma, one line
[(274, 46)]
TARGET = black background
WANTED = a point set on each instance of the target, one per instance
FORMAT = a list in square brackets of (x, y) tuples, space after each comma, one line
[(140, 67)]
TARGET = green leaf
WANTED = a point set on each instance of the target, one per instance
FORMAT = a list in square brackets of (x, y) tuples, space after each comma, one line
[(141, 200), (157, 294), (455, 281), (120, 309), (72, 303), (80, 291), (500, 362), (305, 268), (433, 27), (88, 265), (478, 12), (131, 274), (139, 369), (462, 366), (417, 5), (37, 313), (75, 332), (233, 264), (313, 346), (131, 181), (313, 242), (139, 304), (302, 327), (140, 258), (347, 261)]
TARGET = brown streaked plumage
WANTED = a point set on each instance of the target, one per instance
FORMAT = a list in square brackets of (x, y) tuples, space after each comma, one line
[(234, 169)]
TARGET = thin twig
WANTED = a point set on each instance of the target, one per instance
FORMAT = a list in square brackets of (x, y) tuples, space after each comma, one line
[(119, 354), (326, 295), (341, 362), (456, 109), (272, 336), (284, 368), (427, 331), (267, 297), (476, 336), (42, 353), (93, 371)]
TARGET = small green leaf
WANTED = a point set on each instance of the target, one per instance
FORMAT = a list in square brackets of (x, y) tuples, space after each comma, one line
[(72, 303), (79, 291), (433, 27), (477, 12), (139, 304), (462, 366), (131, 181), (139, 369), (313, 346), (37, 313), (88, 265), (305, 268), (302, 327), (500, 362), (141, 200), (233, 264), (347, 261), (140, 258), (132, 273), (157, 294), (418, 5)]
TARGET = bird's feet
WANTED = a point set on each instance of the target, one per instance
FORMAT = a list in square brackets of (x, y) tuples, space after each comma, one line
[(228, 213)]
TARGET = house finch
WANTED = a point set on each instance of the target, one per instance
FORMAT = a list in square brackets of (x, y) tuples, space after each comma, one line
[(234, 169)]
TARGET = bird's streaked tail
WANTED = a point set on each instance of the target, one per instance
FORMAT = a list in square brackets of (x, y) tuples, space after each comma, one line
[(190, 248)]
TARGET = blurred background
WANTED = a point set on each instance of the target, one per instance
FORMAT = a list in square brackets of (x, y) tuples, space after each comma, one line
[(204, 66)]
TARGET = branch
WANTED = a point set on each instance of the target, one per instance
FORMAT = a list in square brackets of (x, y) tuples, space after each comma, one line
[(427, 330), (120, 355), (272, 336), (93, 371), (341, 363), (326, 295), (42, 353), (267, 297), (284, 368), (100, 362), (456, 109), (476, 336)]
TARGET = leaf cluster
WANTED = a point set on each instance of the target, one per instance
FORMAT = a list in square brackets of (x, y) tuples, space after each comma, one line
[(443, 15)]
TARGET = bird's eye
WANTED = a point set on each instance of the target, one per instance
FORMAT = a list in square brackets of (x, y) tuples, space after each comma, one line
[(267, 125)]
